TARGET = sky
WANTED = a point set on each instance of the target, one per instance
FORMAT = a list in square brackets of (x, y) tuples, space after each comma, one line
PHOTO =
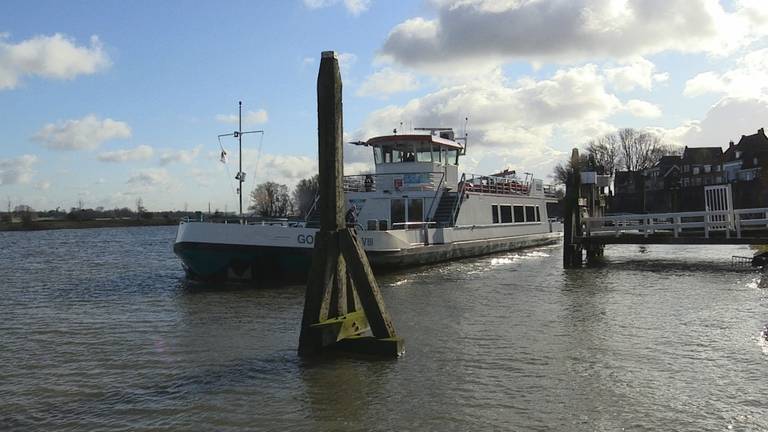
[(107, 102)]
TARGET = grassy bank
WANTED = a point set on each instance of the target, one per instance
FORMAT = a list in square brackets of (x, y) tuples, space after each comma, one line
[(69, 224)]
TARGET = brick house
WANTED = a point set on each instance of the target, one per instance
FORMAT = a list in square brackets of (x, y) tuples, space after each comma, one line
[(702, 166), (744, 161)]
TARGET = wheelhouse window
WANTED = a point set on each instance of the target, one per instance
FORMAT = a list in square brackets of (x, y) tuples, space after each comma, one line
[(519, 214), (506, 214)]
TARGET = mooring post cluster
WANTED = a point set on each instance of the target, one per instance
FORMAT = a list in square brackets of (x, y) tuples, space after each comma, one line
[(342, 300)]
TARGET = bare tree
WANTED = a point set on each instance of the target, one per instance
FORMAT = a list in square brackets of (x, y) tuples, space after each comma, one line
[(639, 150), (561, 171), (304, 195), (271, 199), (606, 152)]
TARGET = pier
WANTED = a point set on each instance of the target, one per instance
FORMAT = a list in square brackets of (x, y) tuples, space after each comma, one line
[(588, 228)]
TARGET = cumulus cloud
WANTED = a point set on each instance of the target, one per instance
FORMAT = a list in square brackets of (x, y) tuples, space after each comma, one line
[(725, 121), (478, 31), (142, 152), (150, 178), (749, 78), (518, 122), (56, 57), (639, 108), (387, 81), (86, 133), (17, 170), (355, 7), (637, 72), (249, 118), (182, 156)]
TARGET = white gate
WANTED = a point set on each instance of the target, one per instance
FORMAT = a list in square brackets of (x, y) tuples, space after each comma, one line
[(718, 199)]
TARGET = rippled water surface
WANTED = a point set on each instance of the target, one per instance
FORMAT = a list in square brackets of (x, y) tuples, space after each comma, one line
[(98, 331)]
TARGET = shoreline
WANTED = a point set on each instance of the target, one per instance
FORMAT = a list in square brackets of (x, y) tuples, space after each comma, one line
[(46, 225)]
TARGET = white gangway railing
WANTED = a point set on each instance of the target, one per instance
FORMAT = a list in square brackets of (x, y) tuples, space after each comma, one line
[(729, 221)]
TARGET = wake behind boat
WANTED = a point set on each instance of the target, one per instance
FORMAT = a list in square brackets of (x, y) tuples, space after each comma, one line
[(413, 210)]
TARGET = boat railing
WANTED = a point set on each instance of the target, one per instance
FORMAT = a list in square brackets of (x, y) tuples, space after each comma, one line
[(495, 185), (436, 198), (247, 220), (394, 182), (414, 225), (550, 191), (459, 198)]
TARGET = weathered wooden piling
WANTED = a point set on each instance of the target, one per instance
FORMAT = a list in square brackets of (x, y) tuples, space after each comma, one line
[(572, 251), (342, 300)]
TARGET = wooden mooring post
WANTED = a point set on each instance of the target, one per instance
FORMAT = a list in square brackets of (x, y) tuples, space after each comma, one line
[(342, 301), (580, 199)]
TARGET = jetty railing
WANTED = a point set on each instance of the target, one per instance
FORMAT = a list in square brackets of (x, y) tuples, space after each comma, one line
[(730, 222)]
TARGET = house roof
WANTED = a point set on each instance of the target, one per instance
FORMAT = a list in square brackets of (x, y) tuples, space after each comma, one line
[(702, 155), (748, 145), (667, 161)]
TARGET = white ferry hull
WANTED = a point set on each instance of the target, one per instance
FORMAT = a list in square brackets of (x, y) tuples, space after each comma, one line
[(279, 253)]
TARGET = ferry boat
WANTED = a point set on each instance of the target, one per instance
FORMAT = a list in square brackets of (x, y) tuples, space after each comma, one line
[(415, 209)]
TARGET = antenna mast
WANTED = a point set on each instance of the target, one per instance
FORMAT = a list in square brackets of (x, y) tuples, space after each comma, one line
[(240, 176)]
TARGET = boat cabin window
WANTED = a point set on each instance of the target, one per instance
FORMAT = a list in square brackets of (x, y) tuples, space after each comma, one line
[(406, 210), (415, 210), (495, 213), (519, 214), (397, 211), (538, 214), (530, 213), (506, 214)]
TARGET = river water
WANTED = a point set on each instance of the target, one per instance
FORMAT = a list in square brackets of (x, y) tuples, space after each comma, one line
[(99, 331)]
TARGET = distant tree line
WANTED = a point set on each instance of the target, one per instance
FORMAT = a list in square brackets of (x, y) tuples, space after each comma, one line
[(270, 199)]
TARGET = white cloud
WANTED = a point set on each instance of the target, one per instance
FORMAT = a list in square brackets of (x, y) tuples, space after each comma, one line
[(355, 7), (481, 31), (637, 72), (519, 123), (150, 178), (249, 118), (639, 108), (725, 121), (387, 81), (748, 78), (183, 156), (54, 56), (346, 61), (17, 170), (86, 133), (43, 185), (142, 152)]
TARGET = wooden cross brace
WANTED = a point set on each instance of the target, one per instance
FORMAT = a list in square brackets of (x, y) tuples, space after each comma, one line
[(343, 300)]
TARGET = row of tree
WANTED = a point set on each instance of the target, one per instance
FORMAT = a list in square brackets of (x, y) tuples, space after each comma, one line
[(626, 150), (272, 199)]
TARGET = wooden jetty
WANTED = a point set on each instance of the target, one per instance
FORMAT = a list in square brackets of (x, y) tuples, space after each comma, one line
[(342, 300), (587, 229)]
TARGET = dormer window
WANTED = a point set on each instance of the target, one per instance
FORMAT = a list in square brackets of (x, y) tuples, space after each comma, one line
[(738, 154)]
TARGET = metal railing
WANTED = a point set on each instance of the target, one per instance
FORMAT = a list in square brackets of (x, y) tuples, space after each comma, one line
[(413, 181), (495, 185), (727, 221)]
